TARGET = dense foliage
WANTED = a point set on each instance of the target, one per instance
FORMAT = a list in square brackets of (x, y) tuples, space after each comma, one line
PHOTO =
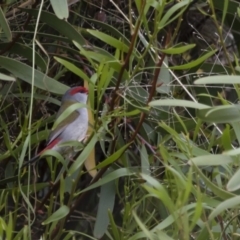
[(162, 156)]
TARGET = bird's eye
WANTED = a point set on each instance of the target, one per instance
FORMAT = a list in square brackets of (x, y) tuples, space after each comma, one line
[(83, 90)]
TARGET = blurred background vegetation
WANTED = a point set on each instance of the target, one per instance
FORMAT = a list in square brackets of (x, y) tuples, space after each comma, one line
[(162, 157)]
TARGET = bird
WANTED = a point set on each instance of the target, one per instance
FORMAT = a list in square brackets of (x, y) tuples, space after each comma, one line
[(73, 128)]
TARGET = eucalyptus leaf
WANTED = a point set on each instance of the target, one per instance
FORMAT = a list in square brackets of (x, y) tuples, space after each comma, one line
[(24, 72), (106, 203), (5, 27), (60, 7), (211, 160), (233, 183), (219, 79), (59, 214)]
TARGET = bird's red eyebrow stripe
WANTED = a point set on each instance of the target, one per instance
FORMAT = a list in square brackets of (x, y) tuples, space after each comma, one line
[(51, 145), (78, 89), (74, 91)]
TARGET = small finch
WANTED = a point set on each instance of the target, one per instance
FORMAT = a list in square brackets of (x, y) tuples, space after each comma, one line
[(72, 128)]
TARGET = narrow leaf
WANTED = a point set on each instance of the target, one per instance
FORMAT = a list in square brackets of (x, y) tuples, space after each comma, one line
[(164, 79), (106, 38), (178, 50), (59, 214), (109, 177), (59, 25), (60, 7), (172, 13), (219, 79), (106, 203), (195, 62), (144, 160), (67, 112), (211, 160), (24, 72), (84, 155), (234, 183), (220, 114), (71, 67), (6, 77), (177, 103), (222, 207), (26, 52), (5, 27), (115, 156)]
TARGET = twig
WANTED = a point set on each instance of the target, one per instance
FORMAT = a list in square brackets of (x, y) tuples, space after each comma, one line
[(143, 140), (126, 61), (151, 93)]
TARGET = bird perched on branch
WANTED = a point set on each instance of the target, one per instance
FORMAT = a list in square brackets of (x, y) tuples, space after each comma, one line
[(72, 128)]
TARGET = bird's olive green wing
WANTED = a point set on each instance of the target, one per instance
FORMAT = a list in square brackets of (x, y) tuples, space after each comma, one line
[(62, 125)]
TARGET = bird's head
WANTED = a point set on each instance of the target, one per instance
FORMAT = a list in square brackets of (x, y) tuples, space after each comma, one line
[(76, 94)]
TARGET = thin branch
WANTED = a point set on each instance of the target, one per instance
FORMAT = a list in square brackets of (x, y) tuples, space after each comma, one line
[(126, 61), (143, 140), (151, 94)]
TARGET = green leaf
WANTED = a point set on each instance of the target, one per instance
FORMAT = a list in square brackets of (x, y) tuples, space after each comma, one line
[(178, 50), (59, 214), (106, 203), (165, 78), (106, 76), (232, 6), (6, 77), (234, 183), (5, 27), (84, 155), (172, 13), (220, 114), (211, 160), (177, 103), (59, 25), (55, 154), (26, 52), (115, 230), (168, 221), (222, 207), (106, 38), (238, 11), (102, 56), (144, 228), (71, 67), (225, 8), (195, 62), (9, 230), (236, 128), (162, 235), (144, 160), (233, 152), (71, 108), (219, 192), (219, 79), (109, 177), (24, 72), (38, 96), (114, 157), (226, 138), (158, 190), (60, 7)]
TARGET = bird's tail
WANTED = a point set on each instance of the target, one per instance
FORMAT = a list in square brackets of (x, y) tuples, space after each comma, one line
[(32, 160)]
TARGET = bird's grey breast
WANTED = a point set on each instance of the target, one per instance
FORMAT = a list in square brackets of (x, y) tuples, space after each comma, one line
[(78, 128)]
